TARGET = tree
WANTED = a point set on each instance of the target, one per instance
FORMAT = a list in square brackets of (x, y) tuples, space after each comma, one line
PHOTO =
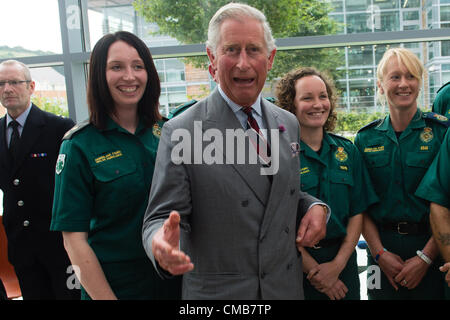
[(187, 21)]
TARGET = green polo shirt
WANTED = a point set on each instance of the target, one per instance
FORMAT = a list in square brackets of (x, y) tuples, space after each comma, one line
[(435, 185), (396, 166), (103, 180), (441, 103), (339, 178)]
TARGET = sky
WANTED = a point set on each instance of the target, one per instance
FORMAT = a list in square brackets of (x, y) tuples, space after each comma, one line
[(33, 24)]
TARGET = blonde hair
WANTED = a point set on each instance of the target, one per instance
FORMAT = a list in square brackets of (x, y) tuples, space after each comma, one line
[(405, 57)]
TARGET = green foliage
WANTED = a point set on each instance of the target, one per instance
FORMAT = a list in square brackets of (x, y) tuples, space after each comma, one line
[(49, 105), (187, 21), (351, 122)]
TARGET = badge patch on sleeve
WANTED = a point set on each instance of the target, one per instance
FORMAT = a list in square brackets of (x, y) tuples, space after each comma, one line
[(156, 130), (60, 163)]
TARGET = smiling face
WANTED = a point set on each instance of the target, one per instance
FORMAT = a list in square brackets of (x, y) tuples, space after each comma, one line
[(311, 101), (125, 74), (399, 86), (241, 61)]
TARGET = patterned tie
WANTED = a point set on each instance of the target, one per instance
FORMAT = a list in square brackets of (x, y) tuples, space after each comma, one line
[(15, 139), (258, 141)]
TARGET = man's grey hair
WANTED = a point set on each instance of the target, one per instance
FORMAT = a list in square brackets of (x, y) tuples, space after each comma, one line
[(237, 11), (25, 69)]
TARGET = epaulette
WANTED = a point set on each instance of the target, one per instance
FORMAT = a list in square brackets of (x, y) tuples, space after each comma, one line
[(78, 127), (339, 137), (370, 125), (436, 117), (448, 83), (181, 108), (271, 99)]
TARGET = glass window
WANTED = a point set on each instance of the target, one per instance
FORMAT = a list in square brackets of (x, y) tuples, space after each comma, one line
[(360, 56), (411, 15), (445, 13), (361, 22), (386, 4), (29, 28), (389, 21), (337, 5), (410, 3), (50, 92), (357, 5), (445, 48)]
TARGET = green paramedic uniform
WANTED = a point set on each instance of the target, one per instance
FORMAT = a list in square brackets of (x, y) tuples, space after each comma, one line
[(396, 167), (435, 185), (338, 177), (103, 180), (441, 103)]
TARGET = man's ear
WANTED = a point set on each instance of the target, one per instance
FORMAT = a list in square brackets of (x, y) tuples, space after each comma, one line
[(271, 59), (211, 57)]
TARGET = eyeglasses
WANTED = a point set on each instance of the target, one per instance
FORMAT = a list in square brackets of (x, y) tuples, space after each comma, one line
[(13, 83)]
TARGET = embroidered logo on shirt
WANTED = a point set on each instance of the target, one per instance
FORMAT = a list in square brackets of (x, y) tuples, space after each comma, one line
[(427, 134), (108, 156), (341, 155), (60, 163)]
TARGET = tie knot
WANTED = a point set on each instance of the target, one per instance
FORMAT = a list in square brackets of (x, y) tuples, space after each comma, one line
[(247, 111), (13, 124)]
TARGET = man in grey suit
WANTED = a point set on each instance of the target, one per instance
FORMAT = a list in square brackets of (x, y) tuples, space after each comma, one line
[(230, 226)]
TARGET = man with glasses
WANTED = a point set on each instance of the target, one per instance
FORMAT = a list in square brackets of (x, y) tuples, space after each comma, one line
[(29, 145)]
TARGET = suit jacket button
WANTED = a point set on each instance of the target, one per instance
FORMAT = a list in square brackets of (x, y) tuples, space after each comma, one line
[(16, 182), (263, 275), (26, 223), (244, 203), (20, 203), (292, 191)]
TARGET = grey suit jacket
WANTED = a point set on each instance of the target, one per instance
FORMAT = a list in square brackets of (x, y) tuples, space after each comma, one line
[(238, 228)]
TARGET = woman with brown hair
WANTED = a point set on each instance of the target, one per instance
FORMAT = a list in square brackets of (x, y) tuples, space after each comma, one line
[(333, 171)]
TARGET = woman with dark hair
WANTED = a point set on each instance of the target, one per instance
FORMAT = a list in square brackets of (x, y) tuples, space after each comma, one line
[(104, 173), (332, 170)]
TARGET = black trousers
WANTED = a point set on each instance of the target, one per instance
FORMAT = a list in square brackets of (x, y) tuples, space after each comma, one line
[(44, 280)]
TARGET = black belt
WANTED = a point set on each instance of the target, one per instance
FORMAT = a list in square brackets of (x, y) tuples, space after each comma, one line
[(325, 243), (405, 227)]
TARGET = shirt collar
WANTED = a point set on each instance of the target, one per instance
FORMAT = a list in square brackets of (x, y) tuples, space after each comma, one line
[(256, 106), (20, 119)]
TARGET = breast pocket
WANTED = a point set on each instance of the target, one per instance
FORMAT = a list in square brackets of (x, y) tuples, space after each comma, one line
[(309, 182), (417, 164), (380, 170), (113, 169), (341, 178)]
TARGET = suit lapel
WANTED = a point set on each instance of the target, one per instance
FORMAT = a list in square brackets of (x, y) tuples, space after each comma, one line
[(220, 116), (280, 181), (30, 134)]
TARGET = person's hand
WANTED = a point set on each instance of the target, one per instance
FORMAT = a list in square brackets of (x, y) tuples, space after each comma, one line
[(313, 227), (412, 272), (446, 268), (324, 275), (337, 292), (391, 264), (166, 247)]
